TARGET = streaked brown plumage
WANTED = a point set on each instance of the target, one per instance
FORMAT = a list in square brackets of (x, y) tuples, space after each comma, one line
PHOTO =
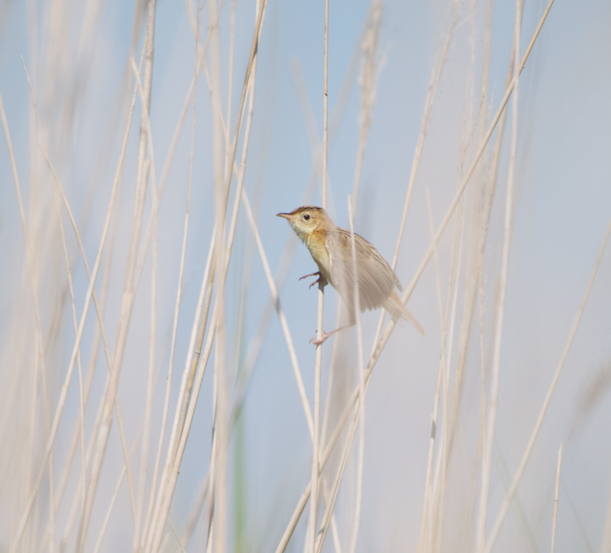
[(331, 249)]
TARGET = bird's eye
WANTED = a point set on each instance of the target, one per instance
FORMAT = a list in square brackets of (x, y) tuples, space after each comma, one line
[(306, 217)]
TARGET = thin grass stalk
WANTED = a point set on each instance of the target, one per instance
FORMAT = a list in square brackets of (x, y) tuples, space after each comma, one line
[(129, 289), (328, 450), (11, 152), (98, 312), (316, 147), (153, 333), (289, 248), (213, 462), (33, 281), (172, 150), (113, 500), (328, 515), (334, 532), (191, 381), (154, 530), (223, 448), (96, 549), (178, 294), (424, 125), (330, 380), (427, 513), (283, 322), (533, 438), (309, 118), (281, 315), (368, 81), (307, 113), (240, 172), (96, 426), (39, 364), (196, 511), (448, 423), (64, 389), (451, 410), (321, 297), (230, 76), (81, 418), (359, 333), (202, 306), (186, 404), (488, 198), (151, 373), (368, 89), (249, 66), (557, 490), (409, 290), (76, 507), (500, 305), (218, 460)]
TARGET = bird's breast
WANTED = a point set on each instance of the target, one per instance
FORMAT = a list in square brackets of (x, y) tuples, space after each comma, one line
[(318, 249)]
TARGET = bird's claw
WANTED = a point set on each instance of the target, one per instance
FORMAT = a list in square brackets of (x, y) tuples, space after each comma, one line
[(318, 341), (320, 280)]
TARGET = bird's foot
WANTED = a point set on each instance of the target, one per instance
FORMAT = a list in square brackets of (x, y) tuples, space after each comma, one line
[(321, 280), (318, 341)]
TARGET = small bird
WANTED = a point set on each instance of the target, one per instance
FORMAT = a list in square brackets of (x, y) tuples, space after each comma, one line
[(331, 249)]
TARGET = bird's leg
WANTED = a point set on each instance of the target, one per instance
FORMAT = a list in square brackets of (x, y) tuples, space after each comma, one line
[(326, 335), (320, 280)]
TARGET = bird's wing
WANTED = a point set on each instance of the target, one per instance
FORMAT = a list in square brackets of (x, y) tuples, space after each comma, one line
[(376, 279)]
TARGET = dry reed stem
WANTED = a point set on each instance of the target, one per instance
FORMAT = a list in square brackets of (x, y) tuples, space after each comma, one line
[(39, 363), (81, 418), (32, 280), (324, 526), (533, 438), (196, 510), (291, 243), (64, 389), (556, 491), (311, 534), (128, 292), (172, 151), (186, 404), (334, 532), (427, 510), (424, 125), (151, 368), (359, 334), (409, 290), (437, 489), (368, 88), (281, 316), (169, 476), (152, 344), (488, 198), (178, 293), (109, 511), (220, 425), (500, 305), (98, 311), (91, 371)]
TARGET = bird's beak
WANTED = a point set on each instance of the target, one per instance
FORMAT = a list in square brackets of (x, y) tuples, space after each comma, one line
[(284, 215)]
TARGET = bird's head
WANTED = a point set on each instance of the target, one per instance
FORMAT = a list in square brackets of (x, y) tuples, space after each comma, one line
[(306, 220)]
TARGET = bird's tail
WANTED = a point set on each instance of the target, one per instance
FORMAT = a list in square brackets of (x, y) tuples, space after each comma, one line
[(395, 307)]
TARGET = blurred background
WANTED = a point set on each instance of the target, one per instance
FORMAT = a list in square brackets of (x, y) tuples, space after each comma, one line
[(412, 89)]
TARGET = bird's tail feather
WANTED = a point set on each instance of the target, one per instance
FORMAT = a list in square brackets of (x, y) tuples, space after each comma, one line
[(395, 307)]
